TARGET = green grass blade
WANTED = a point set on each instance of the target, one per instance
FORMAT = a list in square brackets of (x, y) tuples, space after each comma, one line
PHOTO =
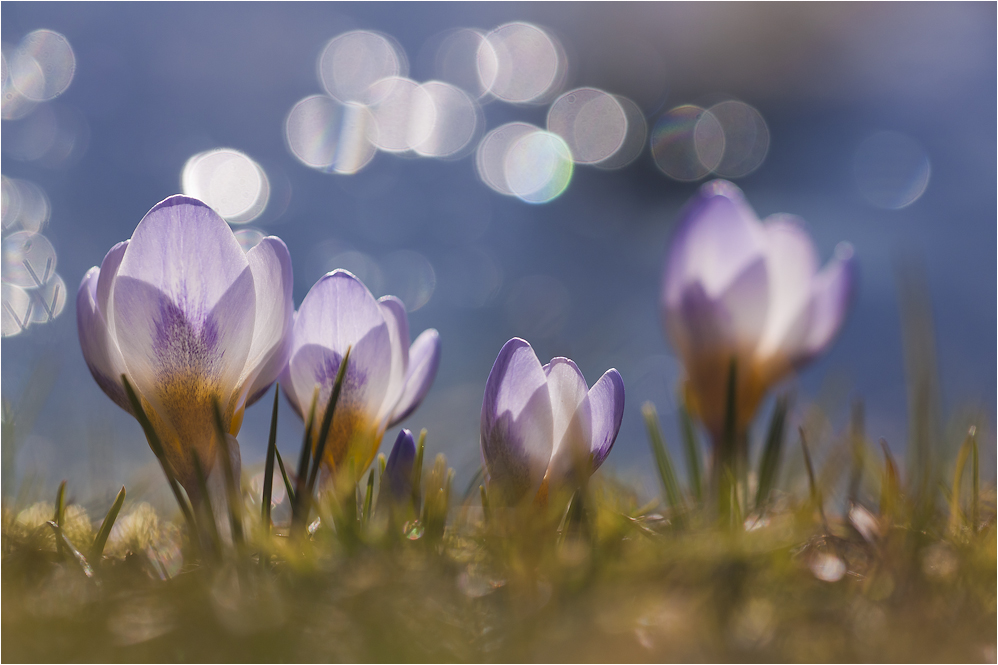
[(475, 481), (66, 543), (327, 423), (890, 487), (955, 514), (691, 447), (100, 540), (300, 507), (857, 444), (60, 504), (417, 471), (769, 464), (975, 479), (368, 497), (268, 469), (157, 449), (232, 496), (485, 502), (816, 499), (663, 461), (284, 475), (212, 528)]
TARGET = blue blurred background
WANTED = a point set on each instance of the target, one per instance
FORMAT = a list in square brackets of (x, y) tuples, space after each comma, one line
[(873, 122)]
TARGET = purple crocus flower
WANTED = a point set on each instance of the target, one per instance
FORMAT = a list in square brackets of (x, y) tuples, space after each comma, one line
[(386, 378), (396, 482), (189, 318), (543, 424), (735, 288)]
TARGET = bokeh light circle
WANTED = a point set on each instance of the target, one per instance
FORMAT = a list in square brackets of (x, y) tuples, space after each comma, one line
[(520, 63), (228, 181), (42, 66), (28, 259), (634, 141), (332, 137), (352, 62), (456, 60), (457, 122), (48, 300), (490, 157), (410, 277), (538, 167), (687, 143), (892, 170), (16, 310), (592, 122), (404, 116), (746, 138), (24, 206), (249, 237)]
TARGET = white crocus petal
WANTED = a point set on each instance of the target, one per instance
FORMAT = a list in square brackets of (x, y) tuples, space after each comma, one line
[(270, 265), (424, 359), (572, 419), (791, 263), (108, 271), (99, 351), (832, 292), (398, 331)]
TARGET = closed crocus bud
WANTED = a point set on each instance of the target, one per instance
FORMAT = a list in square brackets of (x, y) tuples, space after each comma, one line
[(735, 289), (189, 319), (385, 380), (396, 481), (543, 425)]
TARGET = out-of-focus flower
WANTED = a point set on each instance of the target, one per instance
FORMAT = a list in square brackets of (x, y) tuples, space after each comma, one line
[(189, 318), (385, 379), (737, 289), (543, 425), (396, 482)]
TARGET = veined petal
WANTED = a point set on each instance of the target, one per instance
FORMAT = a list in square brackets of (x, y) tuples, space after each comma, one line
[(717, 237), (396, 482), (108, 271), (398, 332), (270, 264), (606, 402), (99, 351), (832, 292), (517, 422), (572, 419), (791, 263), (424, 359)]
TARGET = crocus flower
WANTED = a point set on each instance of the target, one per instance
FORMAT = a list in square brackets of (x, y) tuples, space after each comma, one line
[(737, 289), (385, 379), (396, 482), (543, 424), (188, 318)]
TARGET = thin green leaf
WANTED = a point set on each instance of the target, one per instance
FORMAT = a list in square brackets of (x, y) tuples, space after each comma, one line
[(60, 504), (975, 478), (300, 507), (64, 542), (206, 507), (857, 444), (100, 540), (232, 496), (327, 423), (485, 502), (284, 475), (691, 447), (368, 497), (417, 470), (890, 487), (816, 499), (475, 480), (955, 514), (663, 461), (157, 449), (268, 469), (769, 464)]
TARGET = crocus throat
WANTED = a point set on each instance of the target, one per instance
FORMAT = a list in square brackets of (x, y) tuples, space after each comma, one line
[(354, 434)]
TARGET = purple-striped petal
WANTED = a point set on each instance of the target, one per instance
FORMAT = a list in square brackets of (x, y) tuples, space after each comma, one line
[(270, 264), (606, 403), (517, 422), (424, 359), (716, 238), (396, 482), (99, 350), (833, 289)]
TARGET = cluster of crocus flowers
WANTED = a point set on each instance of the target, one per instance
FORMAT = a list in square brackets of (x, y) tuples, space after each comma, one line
[(385, 379), (743, 296), (542, 425), (191, 321)]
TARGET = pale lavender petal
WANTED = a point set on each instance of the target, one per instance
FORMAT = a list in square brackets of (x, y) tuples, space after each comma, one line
[(99, 351), (270, 264), (717, 236), (517, 422), (396, 482), (424, 359), (833, 291), (108, 271), (398, 330), (791, 263), (339, 312), (606, 402), (572, 421)]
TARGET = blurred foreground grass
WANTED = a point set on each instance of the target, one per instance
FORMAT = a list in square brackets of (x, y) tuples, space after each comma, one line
[(603, 580)]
